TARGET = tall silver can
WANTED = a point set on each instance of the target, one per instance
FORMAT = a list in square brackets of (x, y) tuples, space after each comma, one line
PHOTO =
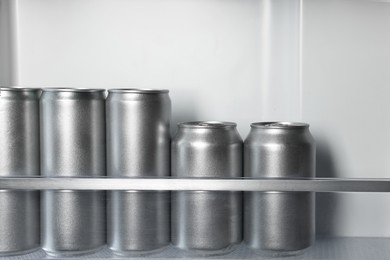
[(138, 145), (73, 145), (279, 223), (19, 157), (207, 222)]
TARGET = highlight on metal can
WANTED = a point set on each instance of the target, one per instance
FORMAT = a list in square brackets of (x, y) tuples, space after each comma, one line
[(19, 157), (206, 222), (138, 145), (73, 145), (279, 223)]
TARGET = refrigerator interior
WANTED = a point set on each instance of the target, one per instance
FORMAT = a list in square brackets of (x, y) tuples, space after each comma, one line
[(326, 63)]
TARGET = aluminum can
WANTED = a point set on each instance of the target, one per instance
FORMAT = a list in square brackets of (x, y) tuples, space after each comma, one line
[(138, 145), (19, 157), (73, 145), (279, 223), (207, 222)]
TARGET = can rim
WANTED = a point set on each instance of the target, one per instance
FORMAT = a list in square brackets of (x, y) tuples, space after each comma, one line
[(20, 89), (207, 124), (279, 125), (80, 90), (138, 90)]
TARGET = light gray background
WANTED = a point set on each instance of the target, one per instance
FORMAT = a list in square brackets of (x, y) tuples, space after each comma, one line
[(325, 62)]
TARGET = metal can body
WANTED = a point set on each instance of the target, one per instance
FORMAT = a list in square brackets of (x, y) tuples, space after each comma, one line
[(73, 145), (279, 222), (19, 157), (138, 145), (207, 222)]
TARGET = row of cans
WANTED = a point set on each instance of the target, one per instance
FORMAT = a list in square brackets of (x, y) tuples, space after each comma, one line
[(81, 133)]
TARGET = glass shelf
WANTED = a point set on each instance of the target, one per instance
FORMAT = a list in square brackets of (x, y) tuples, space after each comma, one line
[(201, 184)]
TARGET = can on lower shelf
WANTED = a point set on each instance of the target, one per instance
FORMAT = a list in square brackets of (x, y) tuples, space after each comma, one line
[(72, 145), (279, 223), (207, 222), (19, 157), (138, 145)]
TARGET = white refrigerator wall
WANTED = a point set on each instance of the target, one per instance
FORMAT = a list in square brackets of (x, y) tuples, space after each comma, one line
[(345, 97), (325, 62)]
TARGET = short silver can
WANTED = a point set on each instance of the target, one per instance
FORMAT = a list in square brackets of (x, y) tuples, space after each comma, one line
[(73, 145), (279, 223), (207, 222), (138, 145), (19, 157)]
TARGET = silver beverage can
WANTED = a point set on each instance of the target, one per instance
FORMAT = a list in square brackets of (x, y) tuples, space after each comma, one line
[(73, 145), (279, 223), (207, 222), (138, 145), (19, 157)]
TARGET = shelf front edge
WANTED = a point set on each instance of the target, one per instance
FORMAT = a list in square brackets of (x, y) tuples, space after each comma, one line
[(191, 184)]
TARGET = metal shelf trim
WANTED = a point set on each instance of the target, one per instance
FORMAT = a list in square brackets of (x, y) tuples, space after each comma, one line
[(192, 184)]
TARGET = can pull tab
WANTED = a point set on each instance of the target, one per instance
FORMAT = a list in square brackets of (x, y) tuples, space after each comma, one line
[(277, 124), (212, 123)]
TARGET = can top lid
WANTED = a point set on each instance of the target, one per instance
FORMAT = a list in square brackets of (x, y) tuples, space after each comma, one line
[(207, 124), (279, 125), (19, 89), (80, 90), (138, 90)]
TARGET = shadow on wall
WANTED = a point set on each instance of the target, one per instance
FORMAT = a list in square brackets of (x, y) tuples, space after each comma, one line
[(327, 203), (184, 108)]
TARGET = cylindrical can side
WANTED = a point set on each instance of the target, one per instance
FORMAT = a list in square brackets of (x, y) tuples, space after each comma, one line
[(279, 223), (73, 222), (19, 157), (138, 222), (138, 138), (73, 145), (73, 133), (206, 222), (19, 111), (138, 145)]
